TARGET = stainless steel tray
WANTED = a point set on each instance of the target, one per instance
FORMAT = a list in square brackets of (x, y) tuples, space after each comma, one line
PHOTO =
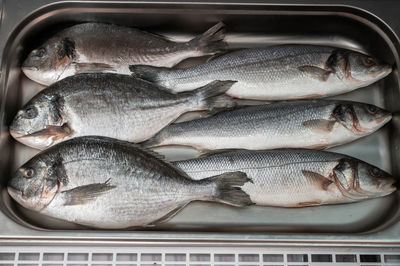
[(248, 25)]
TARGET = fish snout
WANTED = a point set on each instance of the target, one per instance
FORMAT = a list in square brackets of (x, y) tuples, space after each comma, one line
[(16, 185), (14, 193), (387, 184), (17, 133), (380, 71), (384, 117), (27, 67)]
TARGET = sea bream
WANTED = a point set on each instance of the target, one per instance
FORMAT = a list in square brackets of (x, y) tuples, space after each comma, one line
[(281, 72), (313, 124), (106, 183), (110, 105), (100, 47), (296, 178)]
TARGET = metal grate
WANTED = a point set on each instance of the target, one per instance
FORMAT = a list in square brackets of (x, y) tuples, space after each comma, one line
[(193, 256)]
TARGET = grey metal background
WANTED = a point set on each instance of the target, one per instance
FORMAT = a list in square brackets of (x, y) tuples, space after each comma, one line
[(12, 233)]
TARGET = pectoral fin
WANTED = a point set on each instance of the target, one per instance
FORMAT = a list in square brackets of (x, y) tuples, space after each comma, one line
[(84, 194), (92, 68), (316, 72), (320, 126), (318, 178)]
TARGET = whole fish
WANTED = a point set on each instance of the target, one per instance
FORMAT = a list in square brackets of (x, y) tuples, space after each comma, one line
[(109, 105), (106, 183), (276, 73), (313, 124), (296, 178), (99, 47)]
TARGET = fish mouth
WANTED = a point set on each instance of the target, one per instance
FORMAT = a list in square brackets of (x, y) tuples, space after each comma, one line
[(381, 71), (387, 185), (18, 133), (386, 117), (391, 185), (14, 193), (29, 68)]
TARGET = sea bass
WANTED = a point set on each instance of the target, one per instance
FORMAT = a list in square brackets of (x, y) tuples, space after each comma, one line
[(99, 47), (110, 105), (276, 73), (105, 183), (313, 124), (296, 178)]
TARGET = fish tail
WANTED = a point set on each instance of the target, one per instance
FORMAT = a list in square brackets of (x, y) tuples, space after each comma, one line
[(211, 41), (212, 96), (149, 73), (155, 141), (228, 189)]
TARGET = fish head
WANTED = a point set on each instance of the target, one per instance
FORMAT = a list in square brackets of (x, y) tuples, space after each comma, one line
[(353, 67), (358, 180), (47, 63), (374, 180), (367, 69), (33, 185), (40, 122), (360, 118)]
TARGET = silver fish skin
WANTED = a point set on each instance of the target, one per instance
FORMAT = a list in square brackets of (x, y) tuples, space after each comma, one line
[(313, 124), (296, 178), (110, 105), (99, 47), (281, 72), (105, 183)]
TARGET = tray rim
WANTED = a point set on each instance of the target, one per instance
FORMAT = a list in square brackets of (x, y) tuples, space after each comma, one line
[(374, 238)]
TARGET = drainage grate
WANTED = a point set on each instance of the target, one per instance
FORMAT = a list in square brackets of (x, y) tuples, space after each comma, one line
[(194, 256)]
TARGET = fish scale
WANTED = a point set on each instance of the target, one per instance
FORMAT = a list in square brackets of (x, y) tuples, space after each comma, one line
[(300, 124), (101, 47), (111, 105), (103, 176), (281, 72), (278, 178)]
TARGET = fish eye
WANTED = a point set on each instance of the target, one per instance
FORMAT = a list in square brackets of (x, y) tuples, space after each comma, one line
[(369, 62), (40, 52), (375, 171), (372, 109), (29, 173), (30, 112)]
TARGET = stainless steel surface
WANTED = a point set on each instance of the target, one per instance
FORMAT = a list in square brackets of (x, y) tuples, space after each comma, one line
[(248, 25), (124, 255)]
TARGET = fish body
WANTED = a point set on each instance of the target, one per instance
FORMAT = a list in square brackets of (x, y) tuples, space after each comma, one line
[(276, 73), (314, 124), (296, 178), (105, 183), (109, 105), (99, 47)]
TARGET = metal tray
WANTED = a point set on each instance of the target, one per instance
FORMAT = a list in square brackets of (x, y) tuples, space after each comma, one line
[(248, 25)]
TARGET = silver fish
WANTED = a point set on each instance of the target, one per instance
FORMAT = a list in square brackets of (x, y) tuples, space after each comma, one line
[(276, 73), (99, 47), (314, 124), (109, 105), (296, 178), (105, 183)]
